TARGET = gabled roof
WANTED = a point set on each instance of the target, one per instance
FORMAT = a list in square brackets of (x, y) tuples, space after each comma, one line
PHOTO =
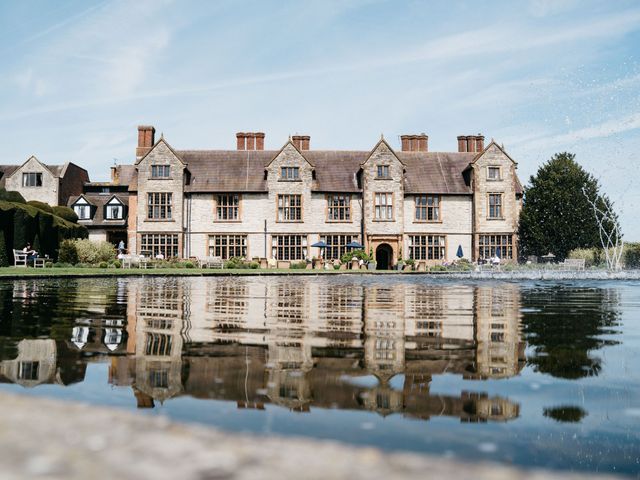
[(99, 200), (384, 142), (57, 171), (164, 142), (289, 142), (492, 142)]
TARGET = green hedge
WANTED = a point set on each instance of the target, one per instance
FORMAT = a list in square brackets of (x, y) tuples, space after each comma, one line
[(632, 255), (66, 213), (45, 207), (22, 223), (11, 196)]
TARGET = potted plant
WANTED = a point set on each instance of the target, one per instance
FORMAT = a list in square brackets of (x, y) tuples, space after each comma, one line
[(409, 263)]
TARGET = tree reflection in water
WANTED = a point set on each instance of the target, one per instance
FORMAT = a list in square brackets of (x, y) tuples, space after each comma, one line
[(564, 325)]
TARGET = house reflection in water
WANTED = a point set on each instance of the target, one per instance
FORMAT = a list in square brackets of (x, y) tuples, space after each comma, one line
[(311, 343)]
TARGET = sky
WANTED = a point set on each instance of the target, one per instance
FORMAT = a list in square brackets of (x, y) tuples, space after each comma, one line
[(538, 76)]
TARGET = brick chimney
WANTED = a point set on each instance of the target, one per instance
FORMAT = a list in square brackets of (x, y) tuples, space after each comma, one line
[(250, 140), (301, 141), (415, 143), (241, 139), (115, 174), (471, 143), (146, 140), (479, 142), (259, 140)]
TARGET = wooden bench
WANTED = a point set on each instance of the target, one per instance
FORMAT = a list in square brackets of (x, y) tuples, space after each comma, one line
[(574, 263), (19, 258)]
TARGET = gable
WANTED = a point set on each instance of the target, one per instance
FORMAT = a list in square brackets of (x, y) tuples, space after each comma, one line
[(81, 200), (31, 165), (382, 150), (491, 152), (290, 153), (161, 152)]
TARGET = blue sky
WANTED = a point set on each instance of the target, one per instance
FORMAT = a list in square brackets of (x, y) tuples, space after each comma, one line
[(539, 76)]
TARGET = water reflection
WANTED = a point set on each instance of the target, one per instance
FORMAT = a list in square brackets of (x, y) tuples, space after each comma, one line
[(342, 344), (311, 344)]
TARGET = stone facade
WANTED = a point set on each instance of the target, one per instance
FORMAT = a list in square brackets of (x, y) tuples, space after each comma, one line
[(55, 185), (196, 187)]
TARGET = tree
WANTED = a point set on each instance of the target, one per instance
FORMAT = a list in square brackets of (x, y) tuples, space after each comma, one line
[(557, 215)]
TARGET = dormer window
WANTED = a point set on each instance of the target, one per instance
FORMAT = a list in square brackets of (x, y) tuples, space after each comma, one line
[(114, 210), (383, 171), (160, 171), (289, 173), (32, 179), (82, 209)]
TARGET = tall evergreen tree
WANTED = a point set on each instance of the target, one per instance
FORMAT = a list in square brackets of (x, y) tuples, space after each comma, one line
[(556, 216)]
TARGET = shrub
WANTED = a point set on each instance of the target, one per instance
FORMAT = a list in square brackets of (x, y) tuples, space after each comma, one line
[(632, 255), (336, 266), (117, 264), (66, 213), (189, 265), (45, 207), (236, 262), (94, 252), (410, 261), (359, 254), (299, 265), (438, 268), (254, 265), (68, 253), (11, 196), (103, 265), (48, 264), (591, 256), (62, 265)]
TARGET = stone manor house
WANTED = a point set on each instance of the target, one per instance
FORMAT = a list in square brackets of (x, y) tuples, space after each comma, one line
[(251, 202)]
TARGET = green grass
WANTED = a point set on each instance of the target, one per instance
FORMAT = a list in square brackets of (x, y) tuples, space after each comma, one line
[(13, 272)]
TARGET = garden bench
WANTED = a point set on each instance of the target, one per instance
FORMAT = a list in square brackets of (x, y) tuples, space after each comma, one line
[(211, 262), (574, 263), (19, 258)]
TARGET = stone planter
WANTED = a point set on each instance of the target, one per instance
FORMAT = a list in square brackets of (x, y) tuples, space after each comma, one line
[(318, 264), (284, 264), (343, 266), (354, 264), (407, 267), (264, 263), (422, 266), (400, 267), (371, 266)]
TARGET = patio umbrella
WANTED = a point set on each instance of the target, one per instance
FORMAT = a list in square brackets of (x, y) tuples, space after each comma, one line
[(354, 244), (321, 245), (459, 254)]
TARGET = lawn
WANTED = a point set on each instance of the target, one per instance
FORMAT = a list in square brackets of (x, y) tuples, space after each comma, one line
[(13, 272)]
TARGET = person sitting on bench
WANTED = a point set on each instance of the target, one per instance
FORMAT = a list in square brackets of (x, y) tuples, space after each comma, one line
[(31, 253)]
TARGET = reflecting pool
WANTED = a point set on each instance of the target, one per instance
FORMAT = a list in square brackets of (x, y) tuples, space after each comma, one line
[(536, 374)]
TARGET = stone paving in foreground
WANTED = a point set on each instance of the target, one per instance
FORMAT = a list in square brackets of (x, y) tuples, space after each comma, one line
[(49, 439)]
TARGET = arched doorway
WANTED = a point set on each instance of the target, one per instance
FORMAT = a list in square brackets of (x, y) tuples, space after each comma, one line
[(384, 254)]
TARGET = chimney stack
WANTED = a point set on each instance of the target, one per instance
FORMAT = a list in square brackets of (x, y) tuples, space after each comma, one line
[(115, 174), (241, 139), (415, 143), (301, 141), (250, 140), (259, 140), (471, 143), (146, 140)]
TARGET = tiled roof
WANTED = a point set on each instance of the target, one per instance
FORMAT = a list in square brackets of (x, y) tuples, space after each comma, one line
[(98, 201), (226, 170), (435, 172), (336, 170)]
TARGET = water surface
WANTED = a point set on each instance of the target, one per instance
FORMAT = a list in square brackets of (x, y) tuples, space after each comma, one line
[(535, 374)]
